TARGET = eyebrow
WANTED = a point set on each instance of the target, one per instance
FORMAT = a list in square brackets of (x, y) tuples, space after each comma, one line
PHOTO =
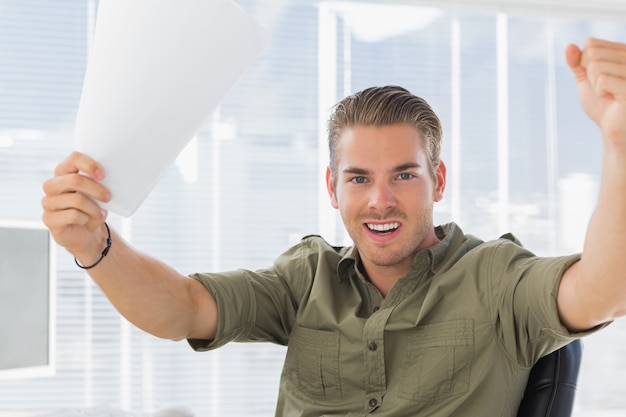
[(399, 168), (405, 167)]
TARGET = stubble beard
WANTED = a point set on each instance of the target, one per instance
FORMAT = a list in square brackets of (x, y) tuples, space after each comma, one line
[(397, 252)]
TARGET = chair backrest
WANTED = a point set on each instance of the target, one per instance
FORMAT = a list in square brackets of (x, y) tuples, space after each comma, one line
[(552, 384)]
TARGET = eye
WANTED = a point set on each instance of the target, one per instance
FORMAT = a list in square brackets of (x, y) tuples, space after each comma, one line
[(406, 176), (358, 180)]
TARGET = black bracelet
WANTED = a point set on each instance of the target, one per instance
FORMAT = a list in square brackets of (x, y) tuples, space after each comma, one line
[(104, 252)]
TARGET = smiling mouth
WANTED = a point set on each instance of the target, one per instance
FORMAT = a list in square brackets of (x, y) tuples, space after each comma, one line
[(385, 228)]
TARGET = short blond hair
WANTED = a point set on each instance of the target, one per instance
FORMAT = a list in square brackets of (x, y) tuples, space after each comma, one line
[(382, 106)]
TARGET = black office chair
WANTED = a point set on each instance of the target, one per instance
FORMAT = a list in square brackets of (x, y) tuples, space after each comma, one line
[(552, 384)]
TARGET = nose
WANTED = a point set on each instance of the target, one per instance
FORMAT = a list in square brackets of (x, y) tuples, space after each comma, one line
[(381, 197)]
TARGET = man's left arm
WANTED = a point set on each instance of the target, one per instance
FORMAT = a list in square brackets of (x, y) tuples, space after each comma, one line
[(593, 290)]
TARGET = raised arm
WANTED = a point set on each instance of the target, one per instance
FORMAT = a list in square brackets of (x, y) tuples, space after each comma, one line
[(594, 290), (150, 294)]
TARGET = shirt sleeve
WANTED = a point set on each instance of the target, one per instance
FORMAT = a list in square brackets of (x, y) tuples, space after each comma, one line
[(256, 306), (525, 313)]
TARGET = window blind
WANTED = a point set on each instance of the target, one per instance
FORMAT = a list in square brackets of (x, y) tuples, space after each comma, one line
[(249, 186), (613, 10)]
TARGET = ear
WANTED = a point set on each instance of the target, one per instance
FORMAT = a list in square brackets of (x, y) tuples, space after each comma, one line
[(440, 177), (330, 186)]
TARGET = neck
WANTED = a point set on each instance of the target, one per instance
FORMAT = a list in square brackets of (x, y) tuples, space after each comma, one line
[(384, 277)]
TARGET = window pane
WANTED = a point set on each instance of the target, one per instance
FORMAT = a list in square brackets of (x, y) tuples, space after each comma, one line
[(521, 156)]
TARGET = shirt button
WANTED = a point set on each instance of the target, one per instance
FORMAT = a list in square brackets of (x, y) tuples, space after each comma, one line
[(372, 346), (373, 402)]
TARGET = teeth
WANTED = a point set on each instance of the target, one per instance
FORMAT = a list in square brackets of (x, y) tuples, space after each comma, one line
[(383, 227)]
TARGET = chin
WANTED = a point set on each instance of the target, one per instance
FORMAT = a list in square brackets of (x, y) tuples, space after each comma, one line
[(389, 257)]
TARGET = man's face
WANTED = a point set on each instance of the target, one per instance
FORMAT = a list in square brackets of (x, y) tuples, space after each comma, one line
[(385, 193)]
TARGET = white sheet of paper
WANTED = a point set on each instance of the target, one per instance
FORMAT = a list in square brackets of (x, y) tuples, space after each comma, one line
[(157, 70)]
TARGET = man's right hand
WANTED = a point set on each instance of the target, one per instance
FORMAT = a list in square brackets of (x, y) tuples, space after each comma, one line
[(71, 212), (149, 293)]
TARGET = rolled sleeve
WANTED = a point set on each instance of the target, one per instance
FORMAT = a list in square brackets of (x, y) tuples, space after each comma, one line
[(253, 306), (526, 312), (235, 305), (261, 305)]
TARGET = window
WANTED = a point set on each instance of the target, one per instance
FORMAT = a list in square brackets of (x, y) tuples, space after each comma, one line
[(521, 156)]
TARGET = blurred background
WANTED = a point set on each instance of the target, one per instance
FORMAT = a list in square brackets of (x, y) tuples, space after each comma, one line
[(521, 157)]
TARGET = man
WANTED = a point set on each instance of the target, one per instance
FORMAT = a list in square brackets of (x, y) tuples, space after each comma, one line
[(412, 320)]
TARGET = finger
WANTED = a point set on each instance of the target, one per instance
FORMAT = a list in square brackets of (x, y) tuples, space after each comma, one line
[(68, 227), (59, 221), (616, 55), (605, 63), (595, 43), (573, 57), (72, 201), (72, 183), (72, 229), (61, 211), (80, 162), (607, 78)]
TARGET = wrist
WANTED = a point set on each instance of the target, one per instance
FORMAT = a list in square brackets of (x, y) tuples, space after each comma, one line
[(105, 251)]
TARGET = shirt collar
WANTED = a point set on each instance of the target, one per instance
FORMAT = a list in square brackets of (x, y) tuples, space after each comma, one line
[(347, 264), (450, 236)]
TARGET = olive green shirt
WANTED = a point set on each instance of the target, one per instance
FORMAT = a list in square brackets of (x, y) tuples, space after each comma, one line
[(456, 337)]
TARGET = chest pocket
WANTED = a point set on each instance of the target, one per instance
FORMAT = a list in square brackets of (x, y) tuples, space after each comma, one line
[(438, 361), (312, 363)]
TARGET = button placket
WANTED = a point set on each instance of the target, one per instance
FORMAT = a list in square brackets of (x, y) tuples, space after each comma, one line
[(375, 379)]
